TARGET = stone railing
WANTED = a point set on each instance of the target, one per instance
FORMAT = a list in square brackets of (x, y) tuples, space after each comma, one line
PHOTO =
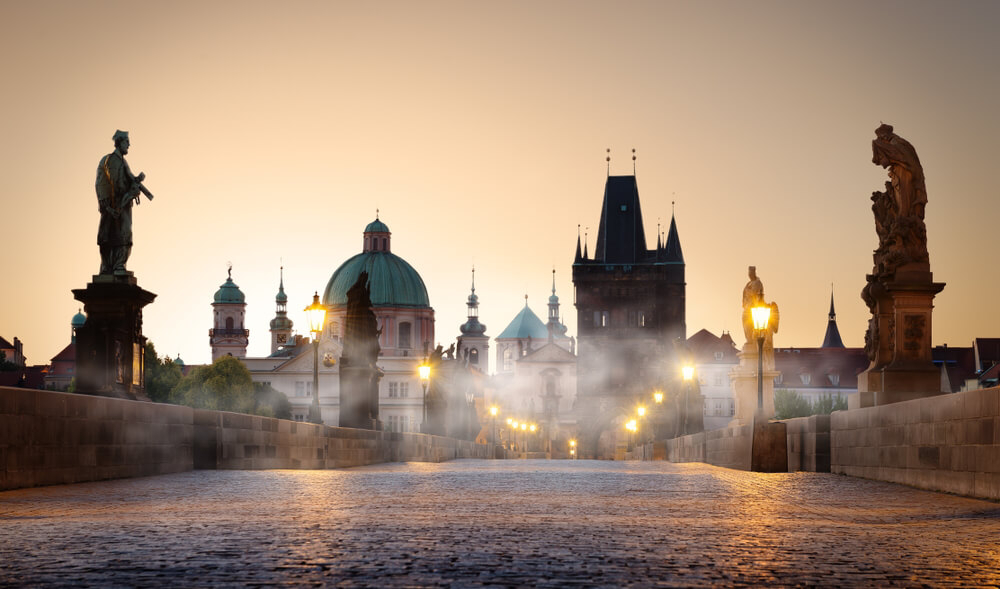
[(49, 438)]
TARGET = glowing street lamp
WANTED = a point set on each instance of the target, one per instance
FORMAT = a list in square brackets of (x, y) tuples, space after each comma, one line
[(493, 428), (658, 397), (424, 370), (572, 448), (316, 313), (641, 411), (761, 316)]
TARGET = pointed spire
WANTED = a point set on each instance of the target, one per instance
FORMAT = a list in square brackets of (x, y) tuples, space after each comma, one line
[(832, 338), (659, 241), (579, 256), (553, 281), (585, 234), (608, 159), (673, 251), (633, 161)]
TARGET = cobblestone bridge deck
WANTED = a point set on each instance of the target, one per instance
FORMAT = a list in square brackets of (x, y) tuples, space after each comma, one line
[(498, 523)]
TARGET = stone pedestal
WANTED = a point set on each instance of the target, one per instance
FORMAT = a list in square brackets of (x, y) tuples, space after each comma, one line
[(744, 382), (769, 449), (110, 345), (899, 340), (358, 396)]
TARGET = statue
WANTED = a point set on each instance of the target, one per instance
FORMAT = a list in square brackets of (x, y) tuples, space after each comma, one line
[(753, 296), (359, 373), (899, 211), (117, 189)]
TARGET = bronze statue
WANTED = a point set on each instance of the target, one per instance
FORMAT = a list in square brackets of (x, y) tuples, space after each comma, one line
[(117, 189)]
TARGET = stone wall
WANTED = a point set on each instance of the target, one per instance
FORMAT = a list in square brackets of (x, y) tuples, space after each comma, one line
[(728, 447), (809, 443), (943, 443), (49, 438)]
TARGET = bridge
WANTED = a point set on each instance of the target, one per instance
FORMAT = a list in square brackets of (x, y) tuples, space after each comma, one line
[(183, 497)]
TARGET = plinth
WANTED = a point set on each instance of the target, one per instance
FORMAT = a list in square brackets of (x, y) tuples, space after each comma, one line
[(744, 383), (358, 396), (110, 345), (899, 340)]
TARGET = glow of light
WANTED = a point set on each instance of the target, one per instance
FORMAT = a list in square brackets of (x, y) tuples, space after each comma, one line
[(761, 316), (658, 397), (494, 410), (641, 411), (688, 372)]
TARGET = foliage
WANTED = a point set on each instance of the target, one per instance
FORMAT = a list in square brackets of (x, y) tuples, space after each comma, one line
[(223, 385), (271, 402), (161, 375), (6, 366), (788, 404)]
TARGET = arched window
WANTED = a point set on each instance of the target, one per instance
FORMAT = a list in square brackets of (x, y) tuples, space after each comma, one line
[(473, 356), (229, 323), (385, 246), (508, 359)]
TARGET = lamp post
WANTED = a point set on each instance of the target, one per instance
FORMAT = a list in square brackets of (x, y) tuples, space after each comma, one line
[(572, 449), (688, 373), (761, 315), (532, 429), (424, 370), (317, 315), (513, 438), (524, 437), (510, 442), (493, 429)]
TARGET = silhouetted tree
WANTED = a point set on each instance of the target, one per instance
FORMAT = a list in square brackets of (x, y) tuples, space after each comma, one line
[(161, 375), (224, 385)]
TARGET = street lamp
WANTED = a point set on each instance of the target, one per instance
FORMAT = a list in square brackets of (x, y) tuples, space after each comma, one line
[(658, 397), (572, 448), (532, 428), (761, 315), (524, 437), (493, 427), (688, 373), (632, 427), (316, 313), (513, 438), (424, 370)]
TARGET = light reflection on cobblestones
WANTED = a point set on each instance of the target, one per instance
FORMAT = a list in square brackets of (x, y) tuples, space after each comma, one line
[(499, 523)]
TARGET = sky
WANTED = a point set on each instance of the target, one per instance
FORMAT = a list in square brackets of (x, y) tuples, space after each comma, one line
[(271, 133)]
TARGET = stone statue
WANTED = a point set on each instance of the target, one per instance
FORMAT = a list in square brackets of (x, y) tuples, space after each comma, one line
[(361, 330), (899, 211), (117, 189), (753, 296), (359, 373)]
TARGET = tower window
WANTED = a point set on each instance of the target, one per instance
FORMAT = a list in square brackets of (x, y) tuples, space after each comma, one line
[(229, 322), (624, 208), (405, 328), (474, 356), (508, 357), (385, 246)]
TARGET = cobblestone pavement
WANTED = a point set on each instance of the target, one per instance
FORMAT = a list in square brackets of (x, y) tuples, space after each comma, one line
[(496, 523)]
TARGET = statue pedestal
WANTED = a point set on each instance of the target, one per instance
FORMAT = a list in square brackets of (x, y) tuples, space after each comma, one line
[(110, 345), (899, 341), (744, 383), (358, 396)]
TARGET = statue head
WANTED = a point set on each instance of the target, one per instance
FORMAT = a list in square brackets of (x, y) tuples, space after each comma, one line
[(753, 272), (121, 141)]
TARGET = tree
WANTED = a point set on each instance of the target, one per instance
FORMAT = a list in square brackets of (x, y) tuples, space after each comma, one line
[(5, 365), (271, 402), (224, 385), (788, 404), (161, 375), (827, 404)]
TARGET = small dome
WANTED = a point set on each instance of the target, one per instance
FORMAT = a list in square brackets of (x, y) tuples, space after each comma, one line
[(377, 226), (281, 297), (79, 319), (553, 300), (281, 322), (178, 361), (229, 293)]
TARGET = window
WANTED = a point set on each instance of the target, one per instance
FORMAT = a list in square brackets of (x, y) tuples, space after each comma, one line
[(834, 379), (642, 319), (732, 408), (806, 378), (393, 390), (604, 318), (624, 208), (719, 355), (303, 388), (404, 389), (405, 329), (718, 379), (229, 322), (474, 356), (508, 359)]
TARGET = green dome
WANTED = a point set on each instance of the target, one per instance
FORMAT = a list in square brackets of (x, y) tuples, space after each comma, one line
[(377, 226), (229, 293), (393, 282), (78, 320)]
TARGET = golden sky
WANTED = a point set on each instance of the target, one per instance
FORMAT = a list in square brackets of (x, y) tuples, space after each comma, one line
[(270, 133)]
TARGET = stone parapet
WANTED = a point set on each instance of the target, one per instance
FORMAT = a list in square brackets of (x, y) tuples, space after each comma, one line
[(49, 438), (945, 443), (809, 443)]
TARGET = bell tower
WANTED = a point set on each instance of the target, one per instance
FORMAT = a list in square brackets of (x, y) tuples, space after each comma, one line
[(473, 344), (229, 337), (281, 325)]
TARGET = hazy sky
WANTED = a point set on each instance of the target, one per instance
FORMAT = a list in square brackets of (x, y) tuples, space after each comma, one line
[(270, 133)]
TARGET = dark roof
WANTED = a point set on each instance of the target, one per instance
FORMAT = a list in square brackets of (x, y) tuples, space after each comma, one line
[(68, 354), (959, 363), (673, 251), (832, 337), (34, 377), (819, 368), (5, 345), (987, 350), (705, 348), (620, 236)]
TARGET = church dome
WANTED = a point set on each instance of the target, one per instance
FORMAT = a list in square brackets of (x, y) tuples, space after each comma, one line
[(78, 320), (393, 282), (229, 293), (377, 226)]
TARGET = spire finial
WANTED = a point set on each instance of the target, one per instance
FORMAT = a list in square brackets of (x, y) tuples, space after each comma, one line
[(633, 161), (553, 280), (608, 159), (525, 299), (376, 213), (473, 278), (281, 280), (230, 270)]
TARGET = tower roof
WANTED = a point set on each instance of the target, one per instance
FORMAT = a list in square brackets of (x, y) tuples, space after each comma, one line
[(229, 292), (620, 237), (832, 337), (673, 251), (524, 325), (79, 319)]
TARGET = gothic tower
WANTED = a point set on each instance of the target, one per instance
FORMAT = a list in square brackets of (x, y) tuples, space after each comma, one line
[(832, 337), (229, 337), (630, 304), (281, 325)]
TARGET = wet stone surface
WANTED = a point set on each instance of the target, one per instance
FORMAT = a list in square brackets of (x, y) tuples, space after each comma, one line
[(496, 523)]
